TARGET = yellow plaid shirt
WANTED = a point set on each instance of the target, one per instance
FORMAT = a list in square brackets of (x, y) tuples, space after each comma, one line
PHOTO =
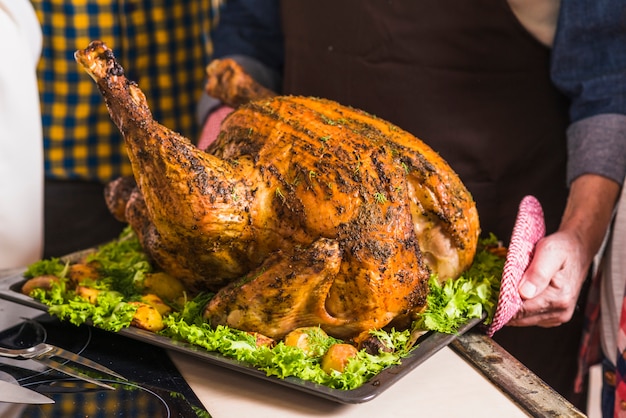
[(164, 46)]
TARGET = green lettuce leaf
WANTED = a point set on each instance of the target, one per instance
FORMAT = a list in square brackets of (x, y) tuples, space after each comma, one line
[(450, 304)]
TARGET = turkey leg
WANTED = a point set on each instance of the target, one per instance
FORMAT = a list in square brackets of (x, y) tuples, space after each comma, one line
[(229, 83), (184, 188)]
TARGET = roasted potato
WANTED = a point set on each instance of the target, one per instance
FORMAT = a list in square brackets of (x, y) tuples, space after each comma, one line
[(147, 317), (372, 345), (163, 285), (309, 339), (44, 282), (82, 272), (337, 357), (88, 293), (157, 303), (263, 340)]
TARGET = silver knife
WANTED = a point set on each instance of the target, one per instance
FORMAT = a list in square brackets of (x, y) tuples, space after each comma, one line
[(14, 393)]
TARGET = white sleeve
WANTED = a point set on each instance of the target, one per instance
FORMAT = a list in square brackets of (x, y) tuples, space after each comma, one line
[(21, 147)]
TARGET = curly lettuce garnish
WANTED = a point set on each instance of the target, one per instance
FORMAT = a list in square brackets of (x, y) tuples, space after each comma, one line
[(452, 303), (282, 360), (123, 266)]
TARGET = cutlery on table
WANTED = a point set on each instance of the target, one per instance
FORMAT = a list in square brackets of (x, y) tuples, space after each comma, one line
[(45, 354), (14, 393)]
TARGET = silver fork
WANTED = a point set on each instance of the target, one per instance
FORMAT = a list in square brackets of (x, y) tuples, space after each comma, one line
[(44, 353)]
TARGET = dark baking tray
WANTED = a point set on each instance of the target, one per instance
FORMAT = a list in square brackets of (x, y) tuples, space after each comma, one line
[(427, 346)]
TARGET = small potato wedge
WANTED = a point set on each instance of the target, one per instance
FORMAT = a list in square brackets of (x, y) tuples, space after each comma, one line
[(44, 282), (337, 357), (88, 293), (263, 340), (163, 285), (157, 303), (308, 339), (82, 272), (147, 317)]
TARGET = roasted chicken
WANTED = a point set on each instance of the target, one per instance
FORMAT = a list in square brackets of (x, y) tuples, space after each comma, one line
[(304, 212)]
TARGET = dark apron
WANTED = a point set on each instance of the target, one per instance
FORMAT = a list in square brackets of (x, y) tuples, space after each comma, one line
[(463, 76), (469, 80)]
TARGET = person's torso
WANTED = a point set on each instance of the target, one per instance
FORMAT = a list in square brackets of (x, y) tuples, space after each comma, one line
[(21, 154), (464, 76), (162, 46)]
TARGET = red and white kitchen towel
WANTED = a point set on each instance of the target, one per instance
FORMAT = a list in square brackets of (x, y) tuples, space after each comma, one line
[(528, 229)]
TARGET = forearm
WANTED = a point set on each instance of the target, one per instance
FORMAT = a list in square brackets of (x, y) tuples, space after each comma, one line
[(588, 212)]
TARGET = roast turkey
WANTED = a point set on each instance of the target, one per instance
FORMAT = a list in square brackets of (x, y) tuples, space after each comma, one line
[(304, 212)]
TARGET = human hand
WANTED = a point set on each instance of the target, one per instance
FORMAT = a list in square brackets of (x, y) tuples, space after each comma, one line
[(212, 126), (550, 286)]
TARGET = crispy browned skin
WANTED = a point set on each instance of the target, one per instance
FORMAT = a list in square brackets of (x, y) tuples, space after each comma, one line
[(196, 227), (303, 212), (117, 193)]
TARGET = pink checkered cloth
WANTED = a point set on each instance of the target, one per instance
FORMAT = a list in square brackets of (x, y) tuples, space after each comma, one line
[(529, 228)]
